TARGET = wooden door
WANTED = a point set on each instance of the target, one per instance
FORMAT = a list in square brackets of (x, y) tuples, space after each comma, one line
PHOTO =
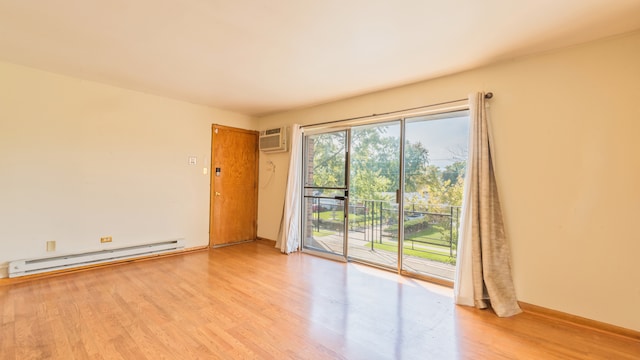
[(234, 185)]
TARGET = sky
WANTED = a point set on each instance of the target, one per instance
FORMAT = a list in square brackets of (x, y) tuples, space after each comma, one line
[(444, 138)]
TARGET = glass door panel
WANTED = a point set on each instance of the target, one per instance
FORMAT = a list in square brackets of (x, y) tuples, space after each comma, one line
[(325, 193), (374, 169), (434, 167), (324, 225)]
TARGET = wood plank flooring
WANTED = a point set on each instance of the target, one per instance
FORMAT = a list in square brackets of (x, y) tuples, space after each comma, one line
[(251, 302)]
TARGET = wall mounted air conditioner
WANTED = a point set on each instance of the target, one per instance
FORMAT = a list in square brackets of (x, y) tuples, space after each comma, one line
[(273, 140)]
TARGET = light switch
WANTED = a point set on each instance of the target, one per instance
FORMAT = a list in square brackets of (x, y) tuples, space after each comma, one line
[(193, 160)]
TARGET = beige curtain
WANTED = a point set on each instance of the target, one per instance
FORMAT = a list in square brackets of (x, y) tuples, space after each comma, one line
[(484, 265)]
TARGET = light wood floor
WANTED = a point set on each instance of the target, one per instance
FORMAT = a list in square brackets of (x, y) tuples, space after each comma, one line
[(249, 301)]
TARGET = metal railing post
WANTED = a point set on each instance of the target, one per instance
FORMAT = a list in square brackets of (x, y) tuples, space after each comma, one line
[(380, 224), (451, 231), (373, 221), (317, 215)]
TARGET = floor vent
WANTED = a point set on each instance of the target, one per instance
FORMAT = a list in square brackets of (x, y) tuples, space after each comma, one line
[(36, 266)]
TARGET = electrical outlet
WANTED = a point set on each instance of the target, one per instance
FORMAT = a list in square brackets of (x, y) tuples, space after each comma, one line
[(51, 245), (106, 239)]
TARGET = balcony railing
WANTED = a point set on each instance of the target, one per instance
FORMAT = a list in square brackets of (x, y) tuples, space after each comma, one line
[(429, 229)]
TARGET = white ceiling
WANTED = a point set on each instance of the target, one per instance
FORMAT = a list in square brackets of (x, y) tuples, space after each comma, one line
[(258, 57)]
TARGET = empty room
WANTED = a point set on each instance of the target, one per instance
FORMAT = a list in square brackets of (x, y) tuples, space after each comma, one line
[(213, 179)]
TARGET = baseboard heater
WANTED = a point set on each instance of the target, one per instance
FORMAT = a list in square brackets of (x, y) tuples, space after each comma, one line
[(36, 266)]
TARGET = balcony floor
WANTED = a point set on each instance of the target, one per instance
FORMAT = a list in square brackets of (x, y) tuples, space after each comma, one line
[(359, 249)]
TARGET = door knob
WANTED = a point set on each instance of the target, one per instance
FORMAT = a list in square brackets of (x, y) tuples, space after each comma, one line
[(217, 193)]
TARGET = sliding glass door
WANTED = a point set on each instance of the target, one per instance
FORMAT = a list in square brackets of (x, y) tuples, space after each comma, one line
[(325, 194), (434, 168), (388, 194), (374, 185)]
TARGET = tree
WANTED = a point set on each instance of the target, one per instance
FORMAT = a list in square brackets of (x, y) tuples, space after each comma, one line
[(454, 171), (442, 191), (368, 162), (445, 195), (328, 159), (416, 165), (374, 163), (374, 151)]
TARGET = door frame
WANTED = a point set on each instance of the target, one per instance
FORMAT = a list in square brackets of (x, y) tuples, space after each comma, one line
[(345, 199)]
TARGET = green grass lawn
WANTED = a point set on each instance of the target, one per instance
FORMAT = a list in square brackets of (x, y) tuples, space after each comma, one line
[(329, 215), (323, 232), (337, 215), (434, 234), (392, 247)]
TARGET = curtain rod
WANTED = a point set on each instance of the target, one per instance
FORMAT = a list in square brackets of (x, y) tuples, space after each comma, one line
[(488, 95)]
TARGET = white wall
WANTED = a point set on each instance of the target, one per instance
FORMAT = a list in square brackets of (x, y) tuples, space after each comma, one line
[(567, 132), (80, 160)]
